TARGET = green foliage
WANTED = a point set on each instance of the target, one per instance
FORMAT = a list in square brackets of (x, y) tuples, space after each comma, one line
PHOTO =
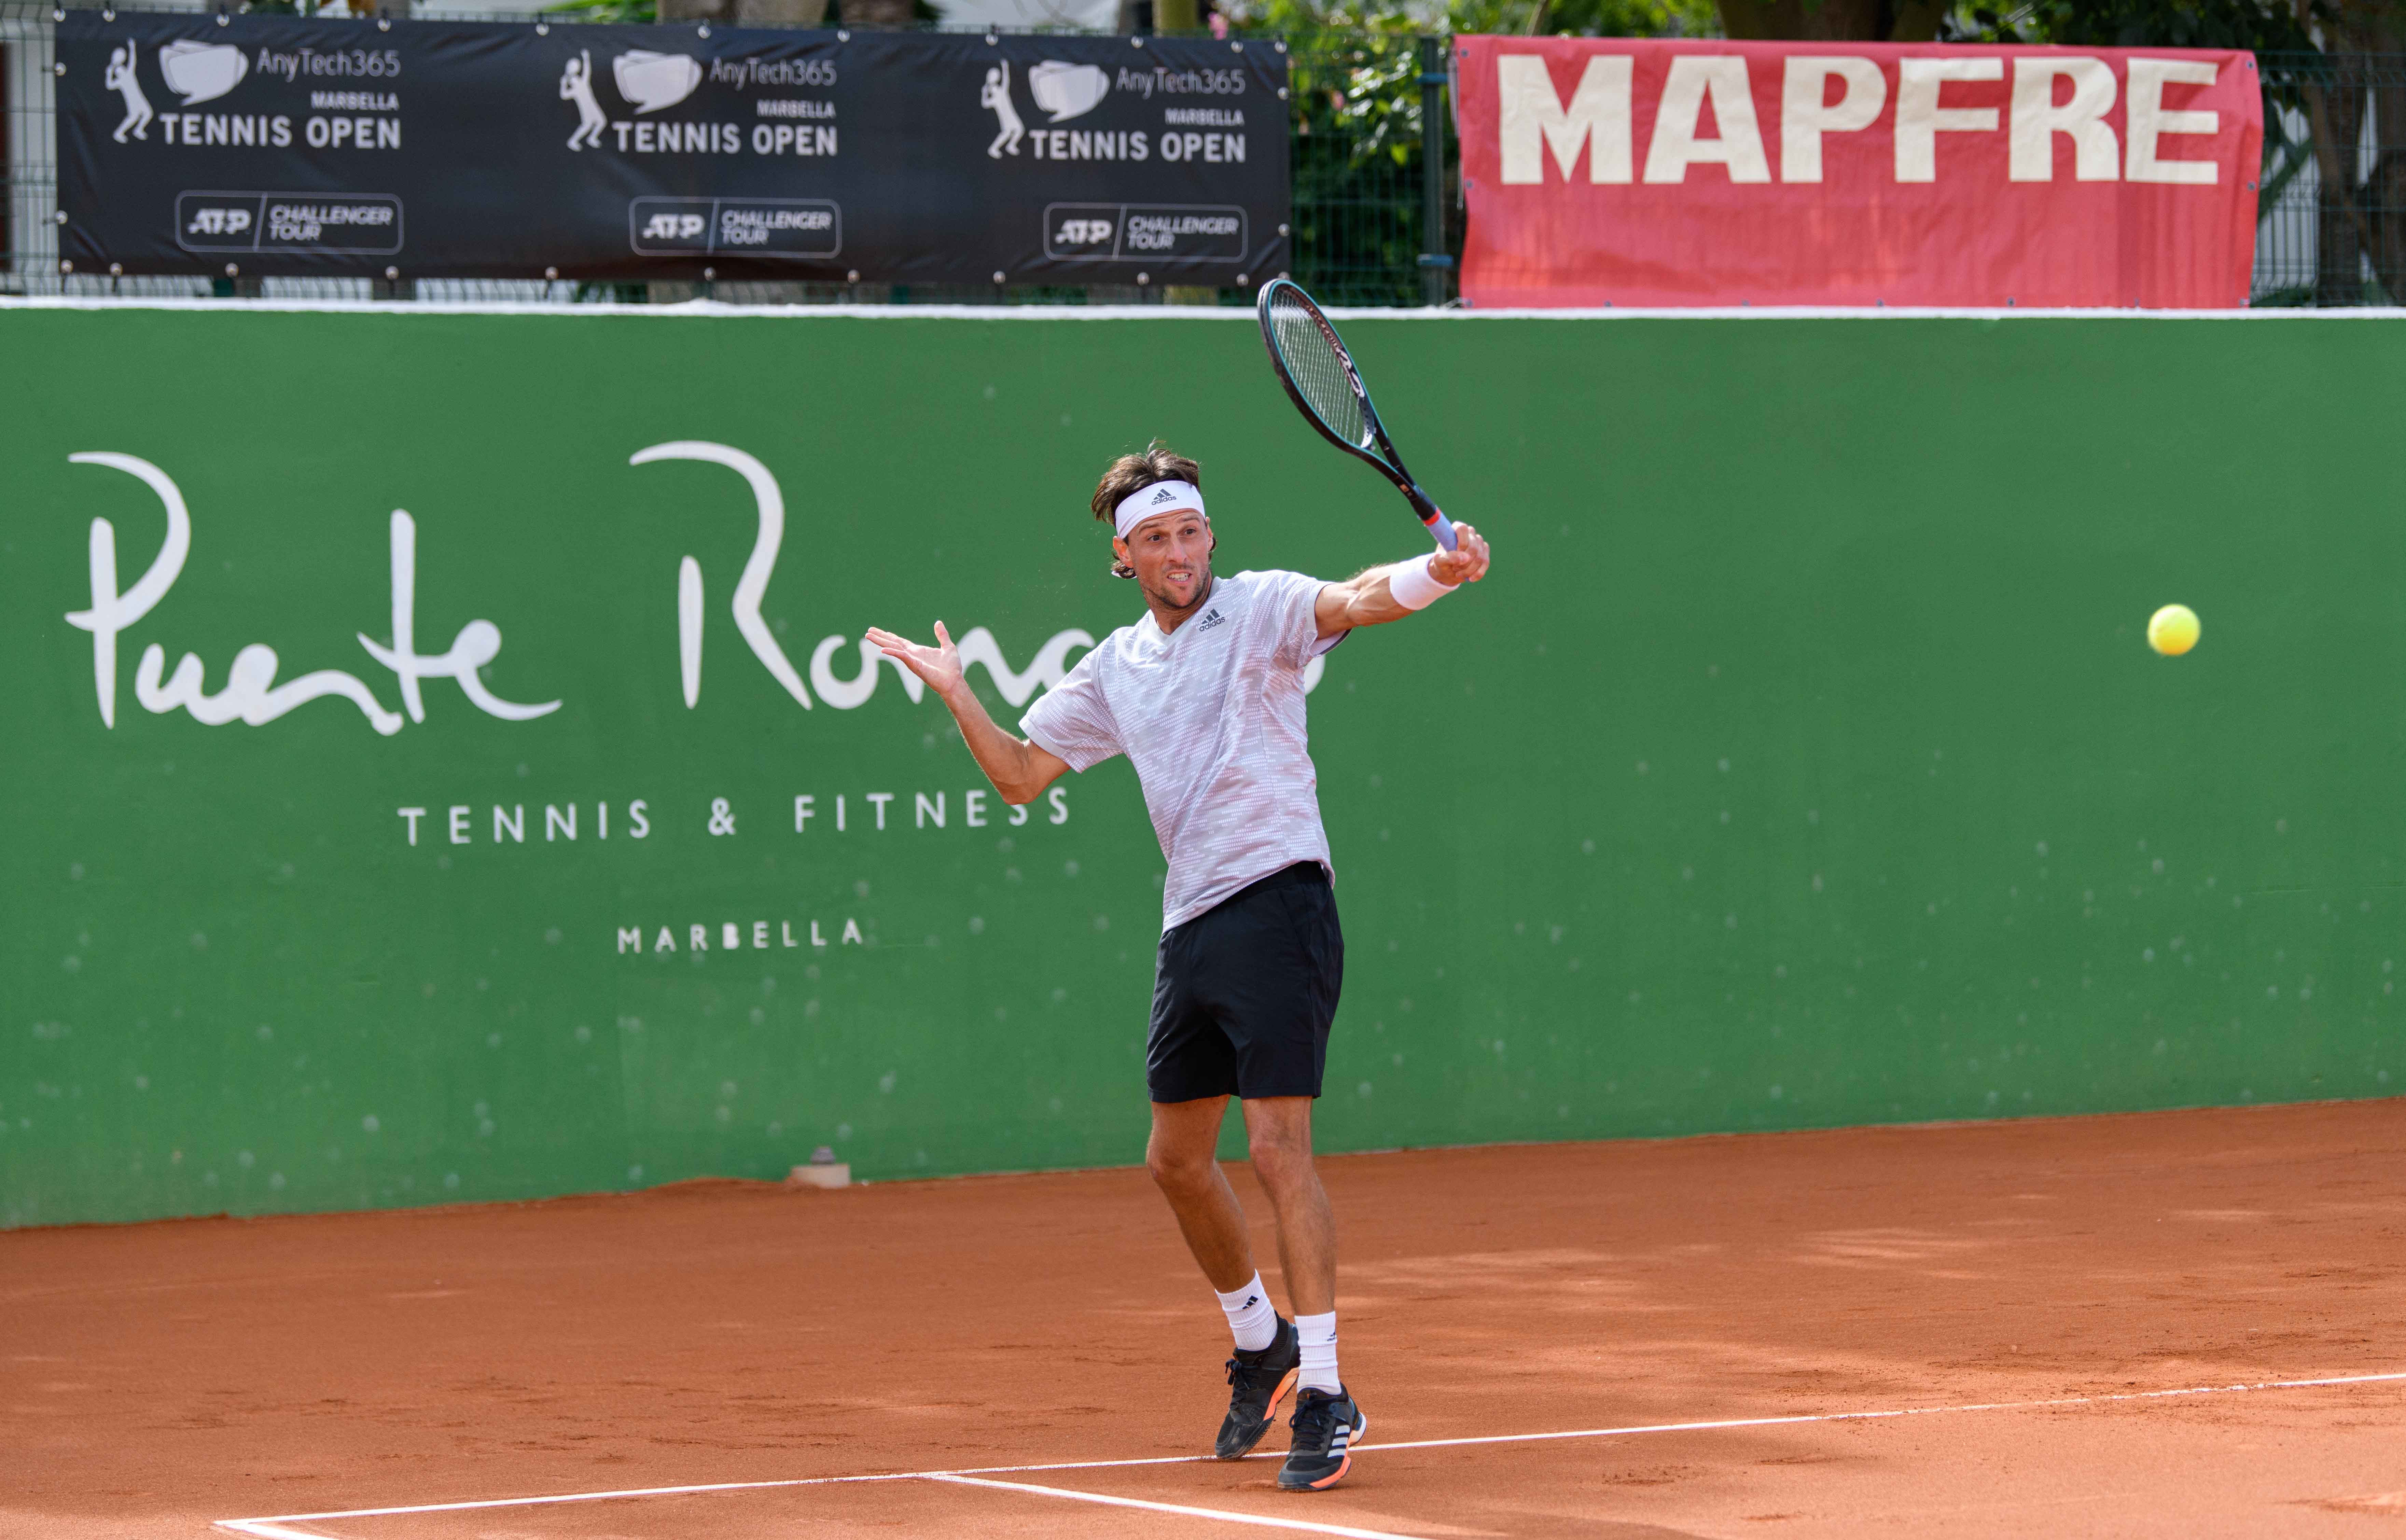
[(1629, 19), (922, 12), (1307, 19), (606, 10), (2135, 23), (1354, 69), (1357, 121)]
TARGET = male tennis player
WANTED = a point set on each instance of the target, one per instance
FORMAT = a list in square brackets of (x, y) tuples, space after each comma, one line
[(1205, 696)]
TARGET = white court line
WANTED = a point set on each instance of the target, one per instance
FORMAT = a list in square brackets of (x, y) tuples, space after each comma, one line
[(1901, 1411), (1222, 1515), (246, 1526)]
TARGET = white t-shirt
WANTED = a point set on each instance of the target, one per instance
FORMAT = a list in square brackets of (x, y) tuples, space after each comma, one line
[(1212, 716)]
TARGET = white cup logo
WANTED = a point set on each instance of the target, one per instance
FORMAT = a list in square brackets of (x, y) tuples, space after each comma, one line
[(202, 72), (1067, 91), (654, 80)]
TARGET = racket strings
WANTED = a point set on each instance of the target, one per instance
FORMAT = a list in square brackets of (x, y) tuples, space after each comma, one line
[(1317, 368)]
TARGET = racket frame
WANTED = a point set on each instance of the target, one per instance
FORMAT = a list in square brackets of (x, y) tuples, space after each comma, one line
[(1439, 526)]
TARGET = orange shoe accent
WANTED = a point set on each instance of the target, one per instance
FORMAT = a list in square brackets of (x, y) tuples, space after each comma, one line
[(1327, 1481), (1269, 1413)]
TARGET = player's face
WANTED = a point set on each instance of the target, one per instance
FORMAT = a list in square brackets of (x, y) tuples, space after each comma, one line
[(1172, 557)]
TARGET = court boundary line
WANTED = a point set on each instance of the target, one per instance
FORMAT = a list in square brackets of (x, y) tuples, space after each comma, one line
[(1183, 1510), (269, 1527)]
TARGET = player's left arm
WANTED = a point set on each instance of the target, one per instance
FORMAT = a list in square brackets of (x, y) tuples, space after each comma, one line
[(1368, 598)]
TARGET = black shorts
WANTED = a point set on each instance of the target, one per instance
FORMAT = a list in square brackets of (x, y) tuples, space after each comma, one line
[(1243, 993)]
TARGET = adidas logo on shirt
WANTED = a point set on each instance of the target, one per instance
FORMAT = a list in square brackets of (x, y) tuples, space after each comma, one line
[(1210, 617)]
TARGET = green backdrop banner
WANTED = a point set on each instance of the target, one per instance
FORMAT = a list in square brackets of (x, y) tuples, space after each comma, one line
[(440, 762)]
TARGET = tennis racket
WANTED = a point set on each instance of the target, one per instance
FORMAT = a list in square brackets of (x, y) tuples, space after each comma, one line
[(1320, 378)]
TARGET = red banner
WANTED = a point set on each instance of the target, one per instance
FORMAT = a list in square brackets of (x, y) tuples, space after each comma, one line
[(1610, 171)]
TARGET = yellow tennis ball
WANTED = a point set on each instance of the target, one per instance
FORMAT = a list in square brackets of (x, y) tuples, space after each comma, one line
[(2172, 630)]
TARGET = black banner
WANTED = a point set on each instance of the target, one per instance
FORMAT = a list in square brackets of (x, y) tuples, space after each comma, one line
[(250, 144)]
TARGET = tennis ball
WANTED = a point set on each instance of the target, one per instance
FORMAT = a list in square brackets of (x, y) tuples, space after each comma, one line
[(2172, 630)]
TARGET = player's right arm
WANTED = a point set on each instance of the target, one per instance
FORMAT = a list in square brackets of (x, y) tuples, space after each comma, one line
[(1019, 769), (1369, 597)]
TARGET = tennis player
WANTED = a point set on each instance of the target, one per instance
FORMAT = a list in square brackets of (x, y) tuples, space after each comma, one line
[(1205, 696)]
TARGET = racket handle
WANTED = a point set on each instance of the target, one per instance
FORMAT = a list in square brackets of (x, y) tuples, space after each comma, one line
[(1441, 528)]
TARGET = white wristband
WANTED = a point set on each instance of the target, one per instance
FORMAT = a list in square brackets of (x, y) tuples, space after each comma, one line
[(1413, 587)]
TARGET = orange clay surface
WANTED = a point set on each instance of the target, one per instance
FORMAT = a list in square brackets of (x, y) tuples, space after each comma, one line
[(156, 1377)]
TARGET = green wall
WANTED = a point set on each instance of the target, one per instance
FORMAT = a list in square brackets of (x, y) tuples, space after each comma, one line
[(1801, 764)]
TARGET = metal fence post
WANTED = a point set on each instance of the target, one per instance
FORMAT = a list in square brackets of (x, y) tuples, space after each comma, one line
[(1434, 261)]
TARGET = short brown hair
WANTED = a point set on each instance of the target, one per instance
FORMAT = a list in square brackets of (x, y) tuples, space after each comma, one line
[(1134, 473)]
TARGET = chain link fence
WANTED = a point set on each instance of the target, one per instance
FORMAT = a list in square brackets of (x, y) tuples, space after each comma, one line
[(2331, 226), (1378, 213)]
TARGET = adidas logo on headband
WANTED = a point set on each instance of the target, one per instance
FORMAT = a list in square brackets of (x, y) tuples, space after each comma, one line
[(1145, 501)]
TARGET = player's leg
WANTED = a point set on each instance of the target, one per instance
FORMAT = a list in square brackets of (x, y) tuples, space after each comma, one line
[(1190, 1071), (1277, 1007), (1181, 1157), (1278, 1135), (1282, 961), (1327, 1421)]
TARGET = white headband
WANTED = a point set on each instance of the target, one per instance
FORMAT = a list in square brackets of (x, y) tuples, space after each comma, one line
[(1162, 496)]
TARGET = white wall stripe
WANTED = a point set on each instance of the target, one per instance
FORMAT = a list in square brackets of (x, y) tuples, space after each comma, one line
[(712, 310), (262, 1527)]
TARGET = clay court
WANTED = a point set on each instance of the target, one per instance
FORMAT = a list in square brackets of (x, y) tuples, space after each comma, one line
[(2166, 1323)]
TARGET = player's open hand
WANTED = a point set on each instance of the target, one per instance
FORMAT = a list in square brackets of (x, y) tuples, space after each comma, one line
[(939, 665), (1465, 563)]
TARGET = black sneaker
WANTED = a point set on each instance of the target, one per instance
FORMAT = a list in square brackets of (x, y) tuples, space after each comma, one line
[(1324, 1427), (1258, 1382)]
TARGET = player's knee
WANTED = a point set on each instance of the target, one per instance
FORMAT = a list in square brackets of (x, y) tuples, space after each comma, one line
[(1279, 1158), (1177, 1171)]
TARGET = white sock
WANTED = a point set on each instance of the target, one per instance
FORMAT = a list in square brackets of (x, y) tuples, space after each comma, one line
[(1251, 1315), (1319, 1337)]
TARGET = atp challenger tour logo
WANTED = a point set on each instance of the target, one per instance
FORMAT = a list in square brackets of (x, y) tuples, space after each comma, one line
[(343, 222), (252, 695), (1119, 232), (755, 227)]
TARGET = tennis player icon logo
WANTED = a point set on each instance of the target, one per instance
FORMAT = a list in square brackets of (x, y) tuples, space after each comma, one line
[(120, 78), (996, 95), (576, 85)]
